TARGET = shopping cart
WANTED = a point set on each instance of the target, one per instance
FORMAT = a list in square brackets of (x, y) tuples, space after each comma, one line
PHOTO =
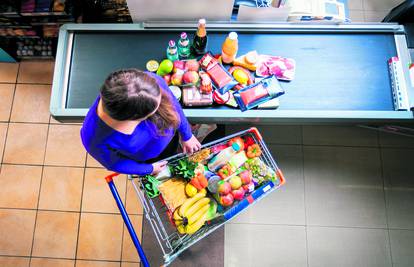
[(159, 216)]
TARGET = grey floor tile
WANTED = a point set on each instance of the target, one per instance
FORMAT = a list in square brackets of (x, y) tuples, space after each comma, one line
[(355, 4), (394, 140), (264, 245), (402, 244), (356, 15), (380, 5), (344, 187), (286, 204), (343, 247), (339, 136), (399, 187), (273, 134)]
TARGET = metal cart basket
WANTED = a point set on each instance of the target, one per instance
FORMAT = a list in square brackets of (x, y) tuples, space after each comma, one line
[(171, 242)]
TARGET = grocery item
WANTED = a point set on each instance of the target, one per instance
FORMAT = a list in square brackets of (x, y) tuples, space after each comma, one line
[(150, 184), (164, 173), (200, 156), (206, 86), (200, 38), (238, 160), (242, 75), (190, 190), (179, 67), (254, 151), (173, 192), (235, 182), (192, 65), (184, 46), (177, 79), (224, 188), (248, 61), (238, 140), (225, 171), (172, 51), (260, 171), (282, 68), (176, 91), (166, 66), (258, 93), (199, 181), (213, 183), (246, 176), (271, 104), (223, 157), (226, 200), (221, 98), (183, 168), (191, 77), (222, 79), (193, 97), (217, 148), (59, 6), (212, 211), (238, 194), (229, 48), (191, 216), (152, 65), (248, 188)]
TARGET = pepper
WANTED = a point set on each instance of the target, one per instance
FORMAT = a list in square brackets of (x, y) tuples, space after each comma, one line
[(225, 171), (253, 151), (248, 140)]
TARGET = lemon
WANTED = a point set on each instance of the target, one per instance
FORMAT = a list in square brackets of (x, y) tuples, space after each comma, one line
[(203, 191), (240, 76), (190, 190), (152, 65)]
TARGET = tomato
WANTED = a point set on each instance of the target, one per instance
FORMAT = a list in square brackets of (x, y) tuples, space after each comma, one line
[(253, 151), (225, 171), (237, 140)]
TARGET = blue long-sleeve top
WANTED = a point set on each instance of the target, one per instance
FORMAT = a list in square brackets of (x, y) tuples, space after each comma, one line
[(127, 153)]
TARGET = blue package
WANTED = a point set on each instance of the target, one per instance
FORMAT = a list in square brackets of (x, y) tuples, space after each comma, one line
[(258, 93)]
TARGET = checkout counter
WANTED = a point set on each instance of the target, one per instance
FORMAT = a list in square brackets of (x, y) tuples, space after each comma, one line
[(341, 70)]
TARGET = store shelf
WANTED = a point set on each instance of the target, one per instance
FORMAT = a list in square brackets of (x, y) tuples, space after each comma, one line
[(43, 14), (10, 14), (36, 57)]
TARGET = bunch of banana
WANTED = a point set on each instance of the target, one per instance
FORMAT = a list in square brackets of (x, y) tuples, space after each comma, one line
[(192, 214)]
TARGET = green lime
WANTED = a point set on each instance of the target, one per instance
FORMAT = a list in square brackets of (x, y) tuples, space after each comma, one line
[(166, 66), (152, 65)]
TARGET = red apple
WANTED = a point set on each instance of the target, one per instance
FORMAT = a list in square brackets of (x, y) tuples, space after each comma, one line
[(179, 66), (167, 79), (235, 182), (226, 200), (238, 194), (246, 176), (224, 188), (248, 188), (190, 77), (177, 79), (192, 65)]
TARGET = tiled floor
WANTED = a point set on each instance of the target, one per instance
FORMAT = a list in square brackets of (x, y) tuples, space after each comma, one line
[(55, 206), (370, 10)]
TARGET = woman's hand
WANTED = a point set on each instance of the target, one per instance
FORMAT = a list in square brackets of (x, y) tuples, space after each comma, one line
[(191, 145), (157, 167)]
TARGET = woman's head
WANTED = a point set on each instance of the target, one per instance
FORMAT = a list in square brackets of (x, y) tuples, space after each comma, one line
[(131, 94)]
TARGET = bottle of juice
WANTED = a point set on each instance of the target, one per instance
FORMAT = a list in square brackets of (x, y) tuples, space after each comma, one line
[(200, 38), (172, 51), (223, 157), (184, 46), (229, 48)]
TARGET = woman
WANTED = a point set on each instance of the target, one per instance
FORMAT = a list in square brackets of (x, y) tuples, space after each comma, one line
[(132, 122)]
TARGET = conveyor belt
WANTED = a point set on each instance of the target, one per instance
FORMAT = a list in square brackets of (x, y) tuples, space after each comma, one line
[(335, 71)]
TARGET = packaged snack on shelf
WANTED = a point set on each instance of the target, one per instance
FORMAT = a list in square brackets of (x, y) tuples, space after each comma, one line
[(223, 80), (283, 68), (258, 93), (193, 97)]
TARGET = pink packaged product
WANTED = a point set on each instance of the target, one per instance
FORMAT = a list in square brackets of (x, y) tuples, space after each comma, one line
[(283, 68)]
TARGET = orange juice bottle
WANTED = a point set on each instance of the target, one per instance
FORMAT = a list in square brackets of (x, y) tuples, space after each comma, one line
[(229, 48)]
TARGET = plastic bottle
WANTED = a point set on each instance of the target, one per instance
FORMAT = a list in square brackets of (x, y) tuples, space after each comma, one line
[(229, 48), (172, 51), (200, 38), (184, 46), (223, 157)]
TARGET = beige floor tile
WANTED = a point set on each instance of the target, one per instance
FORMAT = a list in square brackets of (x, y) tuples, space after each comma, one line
[(8, 72), (56, 234), (64, 146), (100, 237), (36, 72), (42, 262), (91, 162), (25, 143), (20, 186), (356, 15), (133, 204), (3, 133), (380, 5), (31, 103), (374, 16), (130, 264), (16, 231), (61, 188), (96, 194), (81, 263), (14, 262), (6, 96), (129, 252), (355, 4)]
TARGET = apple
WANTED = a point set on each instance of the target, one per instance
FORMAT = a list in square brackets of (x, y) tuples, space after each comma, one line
[(226, 200), (238, 194), (190, 77), (192, 65), (235, 182), (248, 188), (178, 66), (177, 79), (167, 79), (246, 176), (224, 188)]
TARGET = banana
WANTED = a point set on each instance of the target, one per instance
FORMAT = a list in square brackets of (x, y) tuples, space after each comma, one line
[(196, 206), (192, 228), (188, 203), (181, 229), (177, 216), (203, 210)]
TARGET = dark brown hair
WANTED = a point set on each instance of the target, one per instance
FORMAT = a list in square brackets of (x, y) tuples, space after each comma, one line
[(130, 94)]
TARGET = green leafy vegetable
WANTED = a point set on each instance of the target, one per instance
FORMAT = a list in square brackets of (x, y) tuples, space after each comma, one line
[(183, 168)]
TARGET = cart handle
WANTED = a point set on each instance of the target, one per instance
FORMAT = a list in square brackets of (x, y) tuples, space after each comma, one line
[(125, 217)]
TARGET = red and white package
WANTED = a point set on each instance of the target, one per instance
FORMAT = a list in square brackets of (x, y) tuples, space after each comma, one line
[(283, 68)]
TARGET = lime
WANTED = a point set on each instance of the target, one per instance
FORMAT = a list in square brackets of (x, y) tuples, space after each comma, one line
[(240, 76), (166, 66), (152, 65)]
